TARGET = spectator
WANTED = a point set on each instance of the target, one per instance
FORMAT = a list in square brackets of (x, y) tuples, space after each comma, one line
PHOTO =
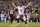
[(2, 17), (11, 15)]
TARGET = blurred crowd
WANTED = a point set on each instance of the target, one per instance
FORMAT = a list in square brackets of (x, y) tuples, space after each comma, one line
[(34, 15), (33, 9)]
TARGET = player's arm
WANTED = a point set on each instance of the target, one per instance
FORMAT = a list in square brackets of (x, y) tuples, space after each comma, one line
[(13, 4), (28, 4)]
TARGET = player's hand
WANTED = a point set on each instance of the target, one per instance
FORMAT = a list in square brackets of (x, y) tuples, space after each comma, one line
[(13, 3)]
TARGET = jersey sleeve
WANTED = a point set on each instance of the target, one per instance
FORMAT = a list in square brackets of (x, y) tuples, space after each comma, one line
[(24, 6)]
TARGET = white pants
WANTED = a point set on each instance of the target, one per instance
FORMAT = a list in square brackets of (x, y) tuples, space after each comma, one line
[(2, 19), (24, 19)]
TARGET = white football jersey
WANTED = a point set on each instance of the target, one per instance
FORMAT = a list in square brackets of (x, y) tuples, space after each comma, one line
[(2, 15), (21, 10), (11, 11)]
